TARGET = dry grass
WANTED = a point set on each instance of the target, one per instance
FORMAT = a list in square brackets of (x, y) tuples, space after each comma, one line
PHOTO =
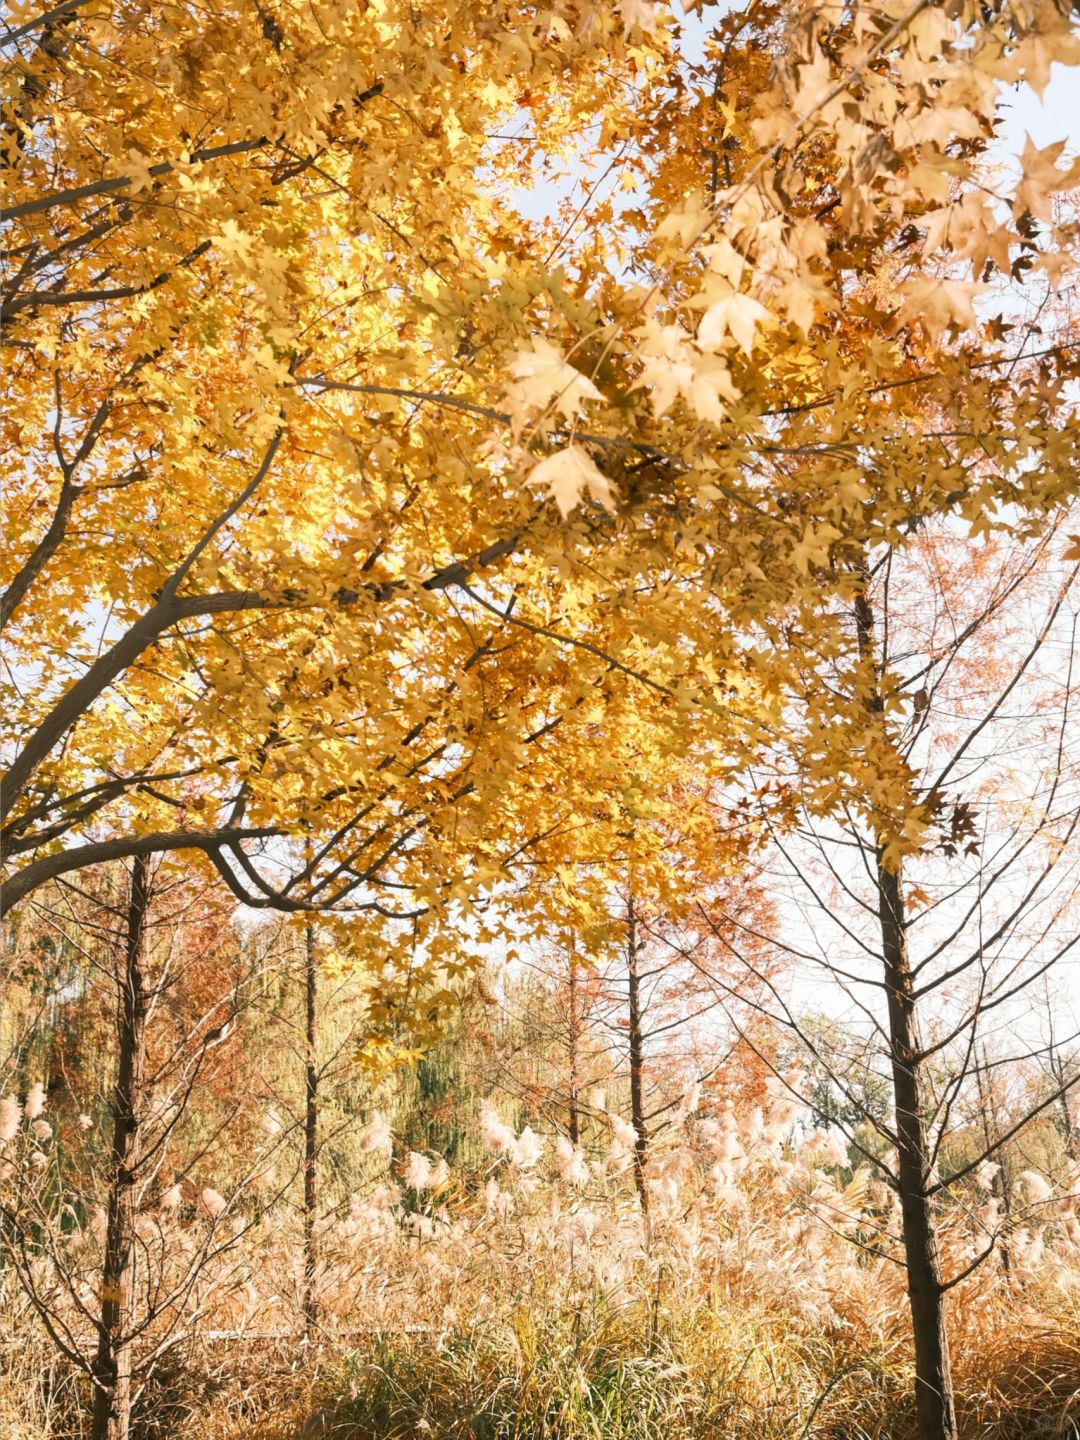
[(702, 1368), (542, 1308), (701, 1373)]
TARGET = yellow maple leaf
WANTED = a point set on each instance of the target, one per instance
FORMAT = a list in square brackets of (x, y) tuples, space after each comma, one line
[(737, 315), (544, 375), (939, 303), (570, 472)]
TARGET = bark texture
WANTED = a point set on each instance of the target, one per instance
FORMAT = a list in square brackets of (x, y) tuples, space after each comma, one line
[(112, 1365), (311, 1136), (637, 1059), (574, 1117), (933, 1376)]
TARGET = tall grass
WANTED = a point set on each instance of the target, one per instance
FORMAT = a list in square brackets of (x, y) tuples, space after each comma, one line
[(703, 1374), (525, 1297)]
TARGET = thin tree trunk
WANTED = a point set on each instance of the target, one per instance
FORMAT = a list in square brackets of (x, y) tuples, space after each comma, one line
[(999, 1189), (112, 1365), (934, 1400), (1070, 1133), (637, 1059), (311, 1139), (574, 1119), (1072, 1137)]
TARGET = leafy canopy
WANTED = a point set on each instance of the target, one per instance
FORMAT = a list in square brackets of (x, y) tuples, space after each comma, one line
[(358, 526)]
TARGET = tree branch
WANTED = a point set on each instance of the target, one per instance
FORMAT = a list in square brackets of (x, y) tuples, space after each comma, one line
[(30, 877)]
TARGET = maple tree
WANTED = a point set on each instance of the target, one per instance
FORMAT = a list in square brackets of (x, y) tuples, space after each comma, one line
[(195, 469), (274, 371)]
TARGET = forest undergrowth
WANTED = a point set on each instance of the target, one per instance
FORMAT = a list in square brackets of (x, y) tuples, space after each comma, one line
[(525, 1295)]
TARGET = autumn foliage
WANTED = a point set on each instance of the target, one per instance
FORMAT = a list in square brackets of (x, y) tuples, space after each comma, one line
[(485, 485)]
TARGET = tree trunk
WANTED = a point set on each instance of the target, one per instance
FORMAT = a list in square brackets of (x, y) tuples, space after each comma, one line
[(999, 1190), (574, 1119), (112, 1365), (1072, 1136), (934, 1401), (311, 1140), (637, 1060), (933, 1377), (1070, 1133)]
